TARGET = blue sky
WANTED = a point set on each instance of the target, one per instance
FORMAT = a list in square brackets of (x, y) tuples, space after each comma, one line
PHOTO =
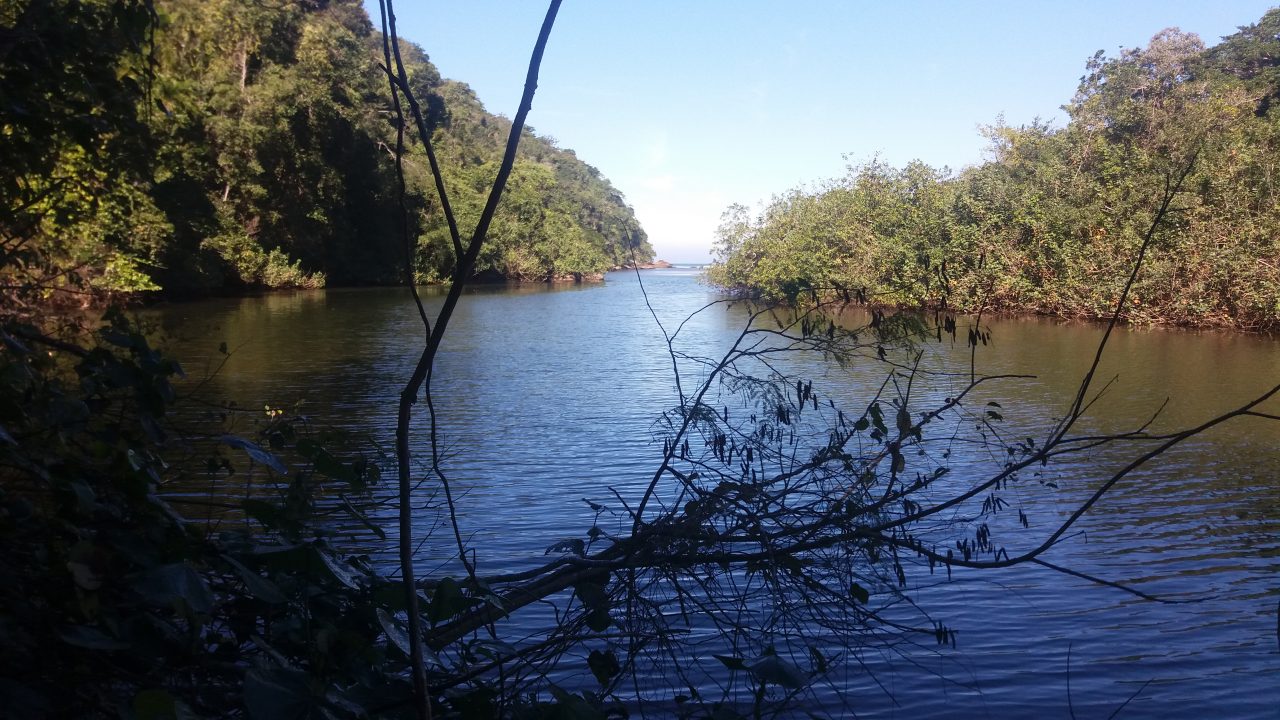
[(690, 106)]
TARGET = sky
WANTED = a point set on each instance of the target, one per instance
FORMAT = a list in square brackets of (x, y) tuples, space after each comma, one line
[(690, 106)]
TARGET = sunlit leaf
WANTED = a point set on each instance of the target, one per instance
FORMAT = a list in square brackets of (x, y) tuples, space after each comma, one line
[(256, 453)]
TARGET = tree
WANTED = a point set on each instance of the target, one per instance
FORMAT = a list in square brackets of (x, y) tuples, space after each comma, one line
[(73, 212)]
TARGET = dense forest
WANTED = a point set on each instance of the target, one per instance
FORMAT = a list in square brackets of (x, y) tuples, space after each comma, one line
[(193, 145), (1050, 222)]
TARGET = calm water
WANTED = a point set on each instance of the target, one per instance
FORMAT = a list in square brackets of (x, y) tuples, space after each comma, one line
[(548, 396)]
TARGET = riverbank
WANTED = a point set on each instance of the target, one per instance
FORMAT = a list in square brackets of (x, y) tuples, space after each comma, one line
[(486, 280), (1136, 315)]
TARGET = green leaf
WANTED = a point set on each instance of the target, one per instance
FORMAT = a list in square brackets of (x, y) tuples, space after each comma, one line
[(447, 601), (118, 338), (599, 620), (574, 707), (84, 576), (271, 694), (364, 520), (256, 453), (258, 586), (163, 585), (773, 669), (604, 665), (494, 649), (395, 634), (86, 498), (399, 637), (264, 512), (591, 594), (859, 593), (877, 417), (340, 570), (157, 704), (573, 546), (91, 639), (904, 421), (326, 464), (732, 662)]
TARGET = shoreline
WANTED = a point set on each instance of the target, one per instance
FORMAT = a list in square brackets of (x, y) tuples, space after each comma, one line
[(1008, 313), (146, 299)]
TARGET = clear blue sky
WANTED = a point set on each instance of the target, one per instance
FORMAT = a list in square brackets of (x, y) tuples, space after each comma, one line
[(688, 106)]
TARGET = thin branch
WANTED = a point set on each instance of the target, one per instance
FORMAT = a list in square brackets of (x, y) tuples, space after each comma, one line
[(464, 265), (1170, 192)]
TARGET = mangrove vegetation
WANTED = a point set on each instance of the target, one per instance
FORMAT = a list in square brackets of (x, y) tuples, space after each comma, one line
[(1049, 221)]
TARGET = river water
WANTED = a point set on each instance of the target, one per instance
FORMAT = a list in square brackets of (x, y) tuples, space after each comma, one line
[(548, 396)]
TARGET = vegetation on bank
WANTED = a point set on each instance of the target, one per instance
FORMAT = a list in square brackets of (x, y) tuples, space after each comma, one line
[(190, 145), (789, 528), (1049, 222)]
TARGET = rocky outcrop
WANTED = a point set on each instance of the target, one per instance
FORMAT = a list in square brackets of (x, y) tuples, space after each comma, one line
[(655, 265)]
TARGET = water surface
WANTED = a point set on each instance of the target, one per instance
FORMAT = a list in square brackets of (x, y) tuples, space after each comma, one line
[(548, 396)]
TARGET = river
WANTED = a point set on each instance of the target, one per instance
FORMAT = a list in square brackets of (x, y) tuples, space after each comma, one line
[(548, 396)]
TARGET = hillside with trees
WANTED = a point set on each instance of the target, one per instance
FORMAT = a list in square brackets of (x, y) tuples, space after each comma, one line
[(1050, 220), (187, 147)]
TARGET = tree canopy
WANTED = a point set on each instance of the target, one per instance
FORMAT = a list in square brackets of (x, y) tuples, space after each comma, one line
[(188, 146), (1049, 220)]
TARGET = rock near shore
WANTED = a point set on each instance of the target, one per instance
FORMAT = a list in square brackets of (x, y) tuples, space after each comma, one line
[(655, 265)]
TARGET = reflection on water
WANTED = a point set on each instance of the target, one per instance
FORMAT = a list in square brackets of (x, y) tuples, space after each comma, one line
[(547, 396)]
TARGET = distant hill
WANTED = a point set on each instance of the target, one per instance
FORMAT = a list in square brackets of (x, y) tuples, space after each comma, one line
[(233, 143)]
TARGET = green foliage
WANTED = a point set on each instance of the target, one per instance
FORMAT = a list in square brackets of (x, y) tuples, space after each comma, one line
[(187, 145), (253, 266), (71, 202), (114, 604), (1052, 221), (559, 218)]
